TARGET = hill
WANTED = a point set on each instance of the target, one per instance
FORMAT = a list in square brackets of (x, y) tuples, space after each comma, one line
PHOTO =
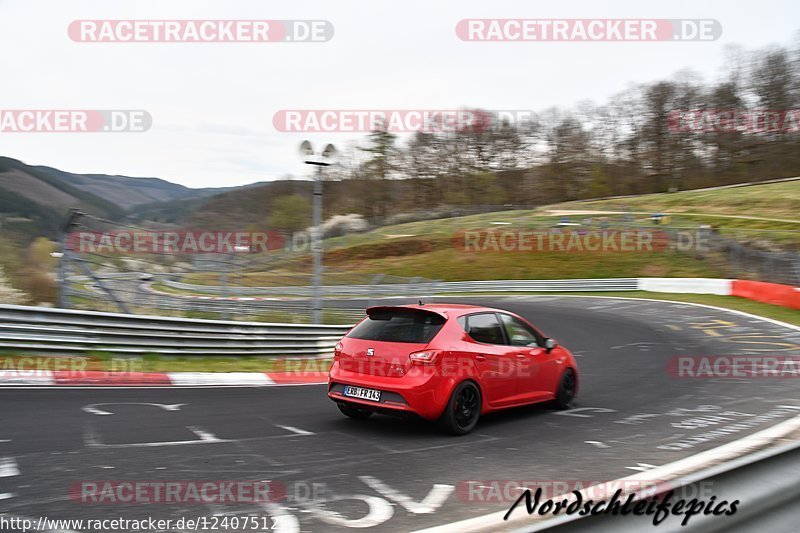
[(34, 200)]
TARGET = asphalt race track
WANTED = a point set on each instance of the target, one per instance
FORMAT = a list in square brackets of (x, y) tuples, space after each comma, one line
[(385, 474)]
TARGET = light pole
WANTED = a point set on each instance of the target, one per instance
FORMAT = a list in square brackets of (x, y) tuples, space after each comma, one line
[(326, 158)]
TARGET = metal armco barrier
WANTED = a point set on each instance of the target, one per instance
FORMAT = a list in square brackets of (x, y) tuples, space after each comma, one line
[(613, 284), (533, 285), (42, 329)]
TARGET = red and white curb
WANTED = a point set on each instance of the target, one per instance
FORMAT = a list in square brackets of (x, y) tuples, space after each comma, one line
[(47, 378)]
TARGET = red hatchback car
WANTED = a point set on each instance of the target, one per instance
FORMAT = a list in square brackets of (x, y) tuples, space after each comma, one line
[(447, 362)]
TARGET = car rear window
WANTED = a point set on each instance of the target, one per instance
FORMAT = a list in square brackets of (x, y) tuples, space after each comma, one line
[(399, 325)]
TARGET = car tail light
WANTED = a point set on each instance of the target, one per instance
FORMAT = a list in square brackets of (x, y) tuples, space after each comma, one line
[(337, 350), (427, 357)]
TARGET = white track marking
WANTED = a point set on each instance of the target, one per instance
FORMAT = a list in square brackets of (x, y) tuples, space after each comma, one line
[(295, 430), (220, 378), (641, 467), (432, 501), (15, 378), (596, 443), (285, 522), (204, 437), (8, 467), (379, 512), (202, 434), (93, 408), (576, 412)]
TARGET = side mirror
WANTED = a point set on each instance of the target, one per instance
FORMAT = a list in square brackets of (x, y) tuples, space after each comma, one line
[(549, 344)]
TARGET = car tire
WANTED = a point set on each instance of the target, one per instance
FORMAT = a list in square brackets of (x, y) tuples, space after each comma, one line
[(463, 409), (567, 387), (354, 412)]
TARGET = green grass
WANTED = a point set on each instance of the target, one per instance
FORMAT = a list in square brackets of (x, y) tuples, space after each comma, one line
[(425, 249), (772, 200), (454, 265)]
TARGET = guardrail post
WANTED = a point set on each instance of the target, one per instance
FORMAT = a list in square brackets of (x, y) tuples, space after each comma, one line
[(63, 283)]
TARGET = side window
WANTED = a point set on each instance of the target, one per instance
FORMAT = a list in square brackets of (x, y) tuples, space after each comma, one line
[(485, 328), (519, 333)]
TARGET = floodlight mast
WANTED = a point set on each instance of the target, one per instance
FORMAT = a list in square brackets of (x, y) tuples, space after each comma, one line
[(326, 158)]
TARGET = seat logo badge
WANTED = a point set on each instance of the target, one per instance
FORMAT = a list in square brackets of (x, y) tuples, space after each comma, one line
[(370, 351)]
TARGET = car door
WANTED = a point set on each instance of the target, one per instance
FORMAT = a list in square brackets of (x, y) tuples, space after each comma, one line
[(496, 365), (536, 368)]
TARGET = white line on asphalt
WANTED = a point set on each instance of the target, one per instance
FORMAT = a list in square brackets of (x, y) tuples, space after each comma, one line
[(6, 495), (203, 434), (641, 467), (576, 412), (295, 430), (432, 501), (204, 437), (8, 467), (220, 378), (93, 408)]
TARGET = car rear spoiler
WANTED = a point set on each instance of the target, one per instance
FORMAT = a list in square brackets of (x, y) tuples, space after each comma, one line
[(378, 308)]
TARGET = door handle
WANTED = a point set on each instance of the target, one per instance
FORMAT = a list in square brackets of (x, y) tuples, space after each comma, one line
[(480, 357)]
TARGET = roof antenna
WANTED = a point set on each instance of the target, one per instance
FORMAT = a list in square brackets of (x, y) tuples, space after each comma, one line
[(420, 303)]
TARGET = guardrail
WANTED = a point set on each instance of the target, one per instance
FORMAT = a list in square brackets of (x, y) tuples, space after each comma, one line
[(612, 284), (305, 290), (42, 329)]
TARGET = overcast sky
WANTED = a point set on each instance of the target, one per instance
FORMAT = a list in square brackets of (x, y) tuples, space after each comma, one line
[(212, 104)]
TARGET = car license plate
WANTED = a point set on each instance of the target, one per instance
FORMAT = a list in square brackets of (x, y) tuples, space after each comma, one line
[(363, 394)]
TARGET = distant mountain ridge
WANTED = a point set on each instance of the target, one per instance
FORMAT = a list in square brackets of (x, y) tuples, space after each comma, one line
[(34, 200)]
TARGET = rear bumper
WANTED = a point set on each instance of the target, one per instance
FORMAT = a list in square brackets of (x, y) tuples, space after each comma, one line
[(422, 391)]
